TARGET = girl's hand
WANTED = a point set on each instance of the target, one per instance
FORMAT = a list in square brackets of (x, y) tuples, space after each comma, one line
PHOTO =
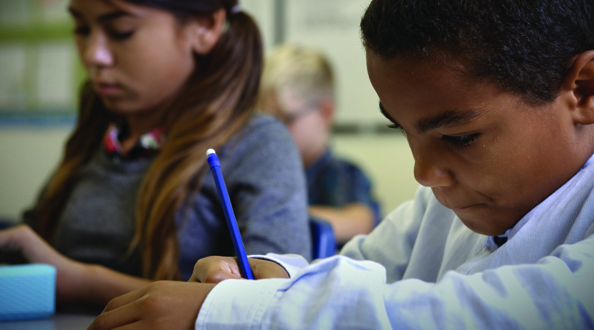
[(217, 269), (70, 274), (160, 305)]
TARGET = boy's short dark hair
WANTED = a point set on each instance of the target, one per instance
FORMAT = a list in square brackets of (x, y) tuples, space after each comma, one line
[(523, 46)]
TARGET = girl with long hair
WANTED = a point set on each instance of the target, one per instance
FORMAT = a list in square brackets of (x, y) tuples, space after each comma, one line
[(131, 200)]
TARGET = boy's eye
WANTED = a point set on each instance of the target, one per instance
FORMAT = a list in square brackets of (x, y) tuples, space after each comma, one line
[(395, 126), (461, 141)]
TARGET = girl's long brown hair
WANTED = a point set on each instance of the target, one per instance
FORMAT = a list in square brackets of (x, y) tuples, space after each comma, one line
[(216, 103)]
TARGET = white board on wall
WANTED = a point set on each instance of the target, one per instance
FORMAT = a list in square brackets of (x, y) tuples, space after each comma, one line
[(332, 26)]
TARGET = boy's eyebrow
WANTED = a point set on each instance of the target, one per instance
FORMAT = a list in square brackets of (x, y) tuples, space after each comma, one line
[(447, 119), (385, 113), (103, 18)]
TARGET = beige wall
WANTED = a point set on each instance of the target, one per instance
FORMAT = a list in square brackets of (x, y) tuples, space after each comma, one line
[(29, 154)]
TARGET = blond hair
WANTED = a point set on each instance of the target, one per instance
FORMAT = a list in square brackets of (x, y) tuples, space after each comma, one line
[(304, 72)]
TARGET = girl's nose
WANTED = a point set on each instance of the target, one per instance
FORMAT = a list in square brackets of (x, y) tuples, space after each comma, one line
[(97, 52)]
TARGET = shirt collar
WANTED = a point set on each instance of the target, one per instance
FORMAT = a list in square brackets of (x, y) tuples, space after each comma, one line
[(148, 144), (498, 241)]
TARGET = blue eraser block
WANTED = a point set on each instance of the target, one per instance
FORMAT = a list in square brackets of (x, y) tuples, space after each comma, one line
[(27, 291)]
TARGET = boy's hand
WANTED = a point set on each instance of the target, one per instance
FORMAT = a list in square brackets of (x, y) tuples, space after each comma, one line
[(22, 240), (159, 305), (217, 269)]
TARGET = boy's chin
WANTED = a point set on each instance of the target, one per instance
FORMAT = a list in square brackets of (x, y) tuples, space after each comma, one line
[(484, 221)]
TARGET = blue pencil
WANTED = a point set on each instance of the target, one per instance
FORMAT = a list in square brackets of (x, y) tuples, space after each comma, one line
[(215, 168)]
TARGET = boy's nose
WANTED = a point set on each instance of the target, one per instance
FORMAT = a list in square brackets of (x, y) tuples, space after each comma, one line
[(430, 172), (97, 52)]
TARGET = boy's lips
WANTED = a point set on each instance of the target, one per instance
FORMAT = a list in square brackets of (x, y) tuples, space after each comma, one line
[(462, 208), (470, 208), (458, 206)]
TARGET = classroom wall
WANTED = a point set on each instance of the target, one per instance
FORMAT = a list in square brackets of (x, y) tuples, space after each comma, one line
[(28, 155)]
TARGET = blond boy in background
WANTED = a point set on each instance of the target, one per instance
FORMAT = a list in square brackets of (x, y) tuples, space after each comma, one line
[(298, 88)]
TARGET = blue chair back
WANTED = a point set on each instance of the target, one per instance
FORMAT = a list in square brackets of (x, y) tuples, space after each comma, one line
[(324, 242), (6, 223)]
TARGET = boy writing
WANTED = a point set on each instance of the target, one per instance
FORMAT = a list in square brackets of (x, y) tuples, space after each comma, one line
[(497, 101)]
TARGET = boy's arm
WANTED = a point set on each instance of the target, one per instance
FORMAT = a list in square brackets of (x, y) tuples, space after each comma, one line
[(391, 243), (348, 203), (160, 305), (347, 221), (338, 293)]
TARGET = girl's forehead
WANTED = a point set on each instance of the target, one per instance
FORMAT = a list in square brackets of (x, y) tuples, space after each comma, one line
[(96, 8)]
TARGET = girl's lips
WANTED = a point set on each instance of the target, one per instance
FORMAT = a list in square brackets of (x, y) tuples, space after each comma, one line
[(104, 89)]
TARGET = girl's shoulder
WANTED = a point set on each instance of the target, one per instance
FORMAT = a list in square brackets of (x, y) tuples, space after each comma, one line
[(262, 127), (261, 156), (264, 122), (263, 137)]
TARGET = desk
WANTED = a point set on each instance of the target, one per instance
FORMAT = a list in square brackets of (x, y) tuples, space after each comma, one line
[(56, 322)]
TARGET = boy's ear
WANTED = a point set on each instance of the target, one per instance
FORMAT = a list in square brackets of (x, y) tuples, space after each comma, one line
[(327, 111), (205, 31), (581, 82)]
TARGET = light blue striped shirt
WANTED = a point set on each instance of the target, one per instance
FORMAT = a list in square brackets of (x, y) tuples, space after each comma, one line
[(421, 268)]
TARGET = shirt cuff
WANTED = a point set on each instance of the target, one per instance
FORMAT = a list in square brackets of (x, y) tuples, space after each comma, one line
[(292, 263), (238, 304)]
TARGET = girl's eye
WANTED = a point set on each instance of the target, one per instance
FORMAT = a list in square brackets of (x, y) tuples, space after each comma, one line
[(461, 141), (82, 30), (120, 35)]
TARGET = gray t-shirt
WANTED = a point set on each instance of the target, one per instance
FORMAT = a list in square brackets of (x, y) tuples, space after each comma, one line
[(264, 177)]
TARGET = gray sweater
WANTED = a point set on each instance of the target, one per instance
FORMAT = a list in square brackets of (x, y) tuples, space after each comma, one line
[(264, 177)]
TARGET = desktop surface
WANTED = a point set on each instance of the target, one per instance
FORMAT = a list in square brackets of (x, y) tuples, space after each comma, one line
[(56, 322)]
